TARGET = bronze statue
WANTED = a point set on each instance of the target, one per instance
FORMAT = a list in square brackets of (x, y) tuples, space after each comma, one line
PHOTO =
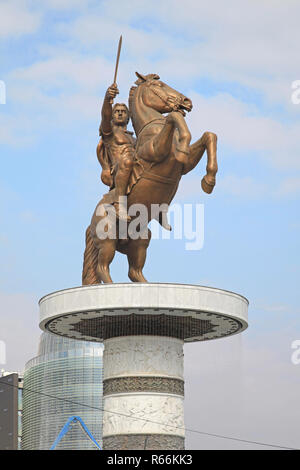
[(115, 150), (162, 155), (145, 172)]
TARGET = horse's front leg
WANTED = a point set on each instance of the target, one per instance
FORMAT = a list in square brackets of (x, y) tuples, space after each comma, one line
[(159, 147), (207, 142), (182, 151)]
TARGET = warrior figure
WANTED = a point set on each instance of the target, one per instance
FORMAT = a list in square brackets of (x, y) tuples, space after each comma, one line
[(116, 148)]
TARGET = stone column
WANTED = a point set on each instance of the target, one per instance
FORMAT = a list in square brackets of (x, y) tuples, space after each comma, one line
[(143, 327), (143, 393)]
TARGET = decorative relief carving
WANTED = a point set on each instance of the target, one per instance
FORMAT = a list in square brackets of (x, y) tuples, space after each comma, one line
[(188, 325), (143, 414), (143, 442), (111, 326), (143, 355), (143, 384)]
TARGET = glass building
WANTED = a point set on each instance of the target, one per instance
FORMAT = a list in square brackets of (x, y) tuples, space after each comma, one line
[(64, 380)]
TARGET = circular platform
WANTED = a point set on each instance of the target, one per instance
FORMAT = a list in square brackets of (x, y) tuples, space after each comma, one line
[(188, 312)]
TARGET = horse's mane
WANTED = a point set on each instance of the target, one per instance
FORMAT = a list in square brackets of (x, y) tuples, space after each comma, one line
[(141, 79), (131, 98)]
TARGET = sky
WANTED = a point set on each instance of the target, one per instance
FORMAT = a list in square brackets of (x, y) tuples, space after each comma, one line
[(239, 63)]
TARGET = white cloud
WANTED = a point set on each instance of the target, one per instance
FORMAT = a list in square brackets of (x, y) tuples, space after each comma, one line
[(28, 216), (77, 79), (68, 86), (248, 45), (243, 187), (65, 71), (15, 131), (241, 127), (19, 328), (248, 389), (289, 187), (222, 41), (66, 4), (273, 308), (103, 32), (16, 19)]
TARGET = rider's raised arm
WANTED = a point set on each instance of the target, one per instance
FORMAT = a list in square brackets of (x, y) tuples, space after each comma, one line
[(106, 112)]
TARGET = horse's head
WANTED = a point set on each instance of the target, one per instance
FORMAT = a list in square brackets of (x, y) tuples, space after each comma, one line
[(161, 97)]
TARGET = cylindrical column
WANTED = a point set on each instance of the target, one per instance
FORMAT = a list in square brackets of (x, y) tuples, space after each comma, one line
[(143, 392), (143, 327)]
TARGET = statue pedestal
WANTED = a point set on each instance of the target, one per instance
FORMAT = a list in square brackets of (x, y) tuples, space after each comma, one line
[(143, 328)]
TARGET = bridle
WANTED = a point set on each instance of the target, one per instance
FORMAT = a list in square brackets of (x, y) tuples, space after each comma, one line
[(175, 104), (175, 101)]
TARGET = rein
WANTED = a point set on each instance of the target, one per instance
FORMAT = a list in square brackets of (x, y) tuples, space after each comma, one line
[(147, 124)]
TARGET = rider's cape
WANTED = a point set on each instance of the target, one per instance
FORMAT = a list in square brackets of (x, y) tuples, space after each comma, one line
[(103, 157)]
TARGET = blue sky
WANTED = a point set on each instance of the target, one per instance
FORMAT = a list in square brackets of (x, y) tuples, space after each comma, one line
[(237, 63)]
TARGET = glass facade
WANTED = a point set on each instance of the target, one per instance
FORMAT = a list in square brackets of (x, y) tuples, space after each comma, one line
[(65, 379)]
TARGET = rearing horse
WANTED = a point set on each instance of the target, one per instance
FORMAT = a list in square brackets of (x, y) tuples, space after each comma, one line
[(163, 155)]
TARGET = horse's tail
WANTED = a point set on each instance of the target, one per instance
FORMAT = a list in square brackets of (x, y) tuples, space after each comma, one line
[(90, 260)]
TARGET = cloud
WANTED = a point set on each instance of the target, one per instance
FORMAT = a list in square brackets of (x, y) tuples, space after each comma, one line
[(64, 71), (103, 31), (19, 328), (15, 131), (67, 4), (273, 308), (16, 19), (69, 83), (63, 89), (241, 127), (289, 187), (245, 187), (73, 76), (249, 390), (28, 216), (264, 57)]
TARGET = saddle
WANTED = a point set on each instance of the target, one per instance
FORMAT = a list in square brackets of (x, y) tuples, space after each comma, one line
[(142, 169)]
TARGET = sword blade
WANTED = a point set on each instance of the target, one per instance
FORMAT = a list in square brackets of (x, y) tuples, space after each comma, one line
[(118, 57)]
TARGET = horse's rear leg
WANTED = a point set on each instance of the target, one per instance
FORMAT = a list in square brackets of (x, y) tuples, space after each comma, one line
[(106, 254), (136, 254)]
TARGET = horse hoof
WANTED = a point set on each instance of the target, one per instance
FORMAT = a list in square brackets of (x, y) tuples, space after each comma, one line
[(207, 187)]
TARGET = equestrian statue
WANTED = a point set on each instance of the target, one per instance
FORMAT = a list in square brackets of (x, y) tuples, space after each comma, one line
[(143, 171)]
